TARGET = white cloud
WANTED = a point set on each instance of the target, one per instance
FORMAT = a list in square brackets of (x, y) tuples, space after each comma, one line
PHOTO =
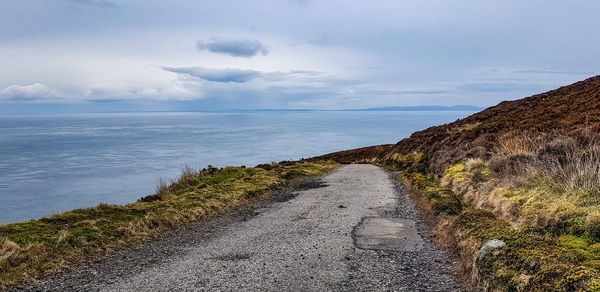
[(32, 92), (395, 53)]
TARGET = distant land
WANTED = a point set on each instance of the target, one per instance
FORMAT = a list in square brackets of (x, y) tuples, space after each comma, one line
[(6, 109), (391, 108)]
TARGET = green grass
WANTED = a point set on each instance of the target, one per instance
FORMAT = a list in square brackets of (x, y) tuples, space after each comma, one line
[(38, 247), (397, 161), (439, 199)]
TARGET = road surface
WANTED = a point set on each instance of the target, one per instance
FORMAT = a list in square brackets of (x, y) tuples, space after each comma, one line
[(354, 229)]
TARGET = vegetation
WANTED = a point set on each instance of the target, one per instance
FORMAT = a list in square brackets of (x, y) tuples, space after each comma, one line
[(526, 172), (537, 192), (533, 258), (407, 162), (465, 127), (37, 247)]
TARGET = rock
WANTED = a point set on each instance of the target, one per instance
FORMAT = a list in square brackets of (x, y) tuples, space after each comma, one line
[(488, 247)]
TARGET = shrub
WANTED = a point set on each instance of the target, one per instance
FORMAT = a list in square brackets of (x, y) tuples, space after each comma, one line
[(478, 169), (527, 143), (406, 162), (510, 165), (443, 201), (592, 225)]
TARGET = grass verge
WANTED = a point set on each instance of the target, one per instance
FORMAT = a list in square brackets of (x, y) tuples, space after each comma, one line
[(39, 247), (533, 259)]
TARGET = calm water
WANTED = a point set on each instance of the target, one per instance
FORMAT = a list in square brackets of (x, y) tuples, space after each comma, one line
[(55, 163)]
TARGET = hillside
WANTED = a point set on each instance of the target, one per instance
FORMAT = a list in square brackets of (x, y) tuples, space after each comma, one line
[(524, 173), (568, 108)]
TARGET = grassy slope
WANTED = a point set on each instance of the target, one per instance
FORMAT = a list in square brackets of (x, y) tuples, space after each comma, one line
[(524, 171), (37, 247)]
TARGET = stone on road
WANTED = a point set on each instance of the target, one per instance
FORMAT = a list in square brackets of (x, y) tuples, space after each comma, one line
[(356, 231)]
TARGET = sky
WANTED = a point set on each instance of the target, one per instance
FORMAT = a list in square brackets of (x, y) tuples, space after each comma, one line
[(149, 55)]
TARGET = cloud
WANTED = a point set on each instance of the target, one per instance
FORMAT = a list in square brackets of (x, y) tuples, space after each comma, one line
[(299, 2), (322, 40), (236, 48), (550, 71), (32, 92), (426, 91), (216, 74), (498, 86), (172, 92), (99, 3)]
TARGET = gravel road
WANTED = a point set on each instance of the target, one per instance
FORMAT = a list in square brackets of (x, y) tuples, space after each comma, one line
[(300, 239)]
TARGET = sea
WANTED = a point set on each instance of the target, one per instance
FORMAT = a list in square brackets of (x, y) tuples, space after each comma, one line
[(54, 163)]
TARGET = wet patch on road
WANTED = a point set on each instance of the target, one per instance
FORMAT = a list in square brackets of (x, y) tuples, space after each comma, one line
[(295, 188)]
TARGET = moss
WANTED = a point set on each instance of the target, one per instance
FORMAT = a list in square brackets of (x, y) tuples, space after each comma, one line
[(592, 225), (478, 168), (441, 200), (582, 255), (470, 172), (536, 200), (37, 247), (595, 264), (418, 180), (534, 258), (531, 259), (593, 285), (456, 174), (578, 279), (573, 242), (594, 248), (406, 162)]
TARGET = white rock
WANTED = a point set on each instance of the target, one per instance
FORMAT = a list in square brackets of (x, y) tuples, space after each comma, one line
[(488, 247)]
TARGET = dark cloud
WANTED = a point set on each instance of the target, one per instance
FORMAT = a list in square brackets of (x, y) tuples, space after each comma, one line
[(236, 48), (215, 74)]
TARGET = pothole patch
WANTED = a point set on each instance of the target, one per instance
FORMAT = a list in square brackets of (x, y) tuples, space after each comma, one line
[(387, 234)]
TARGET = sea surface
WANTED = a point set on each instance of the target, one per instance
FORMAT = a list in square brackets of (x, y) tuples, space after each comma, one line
[(54, 163)]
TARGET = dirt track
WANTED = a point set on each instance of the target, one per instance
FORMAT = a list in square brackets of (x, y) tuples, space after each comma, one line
[(302, 239)]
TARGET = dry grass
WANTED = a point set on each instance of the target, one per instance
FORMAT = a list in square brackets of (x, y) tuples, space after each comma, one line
[(466, 127), (533, 259), (538, 192), (578, 172), (528, 143), (550, 180), (38, 247)]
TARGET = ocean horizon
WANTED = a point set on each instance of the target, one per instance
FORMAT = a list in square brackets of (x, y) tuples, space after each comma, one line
[(54, 163)]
